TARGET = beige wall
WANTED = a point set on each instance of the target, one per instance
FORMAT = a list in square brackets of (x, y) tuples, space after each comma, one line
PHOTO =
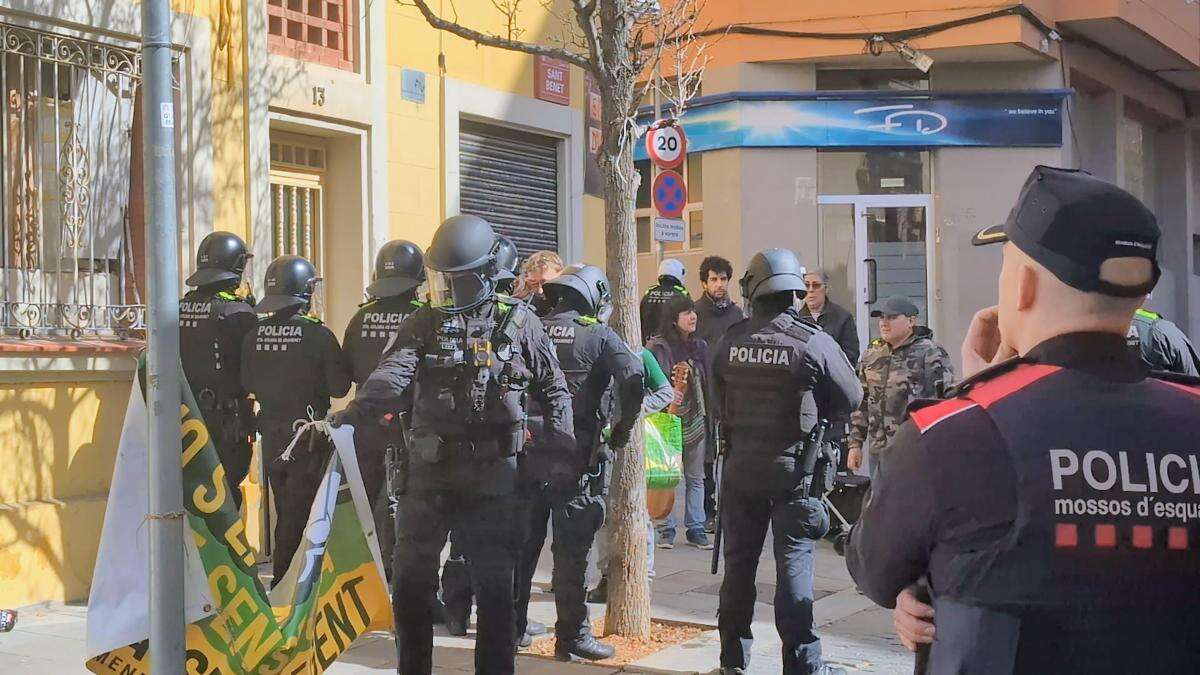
[(976, 187)]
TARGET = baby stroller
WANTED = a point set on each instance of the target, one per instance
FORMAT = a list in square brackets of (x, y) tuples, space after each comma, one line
[(845, 503)]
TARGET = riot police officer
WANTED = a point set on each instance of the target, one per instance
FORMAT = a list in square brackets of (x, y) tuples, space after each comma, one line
[(774, 377), (671, 274), (213, 320), (293, 365), (456, 572), (593, 358), (471, 359), (399, 272)]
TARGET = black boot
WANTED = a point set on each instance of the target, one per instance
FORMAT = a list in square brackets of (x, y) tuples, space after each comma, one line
[(586, 648), (600, 592)]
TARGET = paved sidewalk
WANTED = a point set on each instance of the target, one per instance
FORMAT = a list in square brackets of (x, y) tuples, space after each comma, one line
[(855, 634)]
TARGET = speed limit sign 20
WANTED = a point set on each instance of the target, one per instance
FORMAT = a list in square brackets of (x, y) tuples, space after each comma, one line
[(666, 145)]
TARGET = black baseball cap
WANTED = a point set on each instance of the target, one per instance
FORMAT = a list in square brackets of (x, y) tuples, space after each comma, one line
[(1070, 222), (895, 306)]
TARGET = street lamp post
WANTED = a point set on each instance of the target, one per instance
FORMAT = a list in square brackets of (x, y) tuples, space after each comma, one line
[(166, 516)]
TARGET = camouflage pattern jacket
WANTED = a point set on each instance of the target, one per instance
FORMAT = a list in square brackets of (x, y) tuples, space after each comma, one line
[(893, 378)]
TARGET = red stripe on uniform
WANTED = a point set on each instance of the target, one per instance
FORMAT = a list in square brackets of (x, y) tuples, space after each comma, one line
[(1194, 391), (988, 392), (925, 418)]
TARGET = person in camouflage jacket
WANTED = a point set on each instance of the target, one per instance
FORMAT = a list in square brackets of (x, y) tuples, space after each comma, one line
[(903, 365)]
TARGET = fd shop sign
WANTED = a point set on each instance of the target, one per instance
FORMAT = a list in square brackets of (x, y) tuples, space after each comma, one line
[(552, 80), (666, 144)]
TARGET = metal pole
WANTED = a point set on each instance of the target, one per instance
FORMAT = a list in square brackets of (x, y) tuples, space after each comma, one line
[(162, 363), (654, 170)]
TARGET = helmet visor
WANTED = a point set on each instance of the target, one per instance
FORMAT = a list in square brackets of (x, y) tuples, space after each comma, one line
[(457, 291)]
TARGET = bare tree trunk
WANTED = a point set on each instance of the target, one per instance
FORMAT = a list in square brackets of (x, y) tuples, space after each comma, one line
[(628, 579), (629, 582)]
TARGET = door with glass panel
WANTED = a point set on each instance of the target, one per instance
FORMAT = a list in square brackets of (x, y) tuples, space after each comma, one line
[(874, 247)]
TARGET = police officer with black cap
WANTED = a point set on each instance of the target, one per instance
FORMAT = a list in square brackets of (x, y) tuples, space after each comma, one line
[(776, 378), (213, 321), (1050, 501), (399, 272), (293, 365), (599, 368), (471, 359)]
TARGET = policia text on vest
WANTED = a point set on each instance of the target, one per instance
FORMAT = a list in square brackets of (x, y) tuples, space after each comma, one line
[(1133, 481)]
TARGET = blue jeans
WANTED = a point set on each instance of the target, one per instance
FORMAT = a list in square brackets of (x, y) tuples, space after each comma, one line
[(693, 493)]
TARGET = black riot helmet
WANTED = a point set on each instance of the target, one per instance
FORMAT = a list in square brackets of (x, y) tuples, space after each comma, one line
[(399, 267), (583, 286), (289, 283), (221, 256), (775, 270), (461, 263)]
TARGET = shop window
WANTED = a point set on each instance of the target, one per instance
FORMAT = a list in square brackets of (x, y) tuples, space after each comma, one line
[(320, 31), (872, 80), (873, 172), (693, 213)]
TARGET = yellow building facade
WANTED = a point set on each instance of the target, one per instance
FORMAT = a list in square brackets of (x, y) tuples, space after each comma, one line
[(318, 127)]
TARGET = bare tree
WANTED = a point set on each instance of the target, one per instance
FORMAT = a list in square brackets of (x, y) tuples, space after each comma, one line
[(621, 43)]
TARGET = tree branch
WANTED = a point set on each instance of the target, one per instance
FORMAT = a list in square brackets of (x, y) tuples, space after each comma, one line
[(497, 41), (584, 15)]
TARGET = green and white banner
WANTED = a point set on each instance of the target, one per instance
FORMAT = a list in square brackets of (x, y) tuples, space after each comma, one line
[(333, 590)]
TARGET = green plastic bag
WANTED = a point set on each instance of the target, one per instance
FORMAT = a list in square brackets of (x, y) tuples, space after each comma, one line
[(664, 451)]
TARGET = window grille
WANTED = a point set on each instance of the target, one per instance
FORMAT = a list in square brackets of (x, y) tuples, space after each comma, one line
[(67, 251), (321, 31), (298, 219)]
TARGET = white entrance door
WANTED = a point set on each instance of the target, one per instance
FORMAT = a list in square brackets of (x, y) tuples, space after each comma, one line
[(893, 252)]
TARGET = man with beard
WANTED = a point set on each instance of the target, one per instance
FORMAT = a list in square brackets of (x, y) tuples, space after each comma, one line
[(715, 313)]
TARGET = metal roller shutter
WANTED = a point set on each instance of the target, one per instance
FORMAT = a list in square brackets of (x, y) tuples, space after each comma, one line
[(511, 179)]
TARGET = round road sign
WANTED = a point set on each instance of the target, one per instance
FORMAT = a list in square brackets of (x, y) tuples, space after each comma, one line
[(666, 145), (670, 194)]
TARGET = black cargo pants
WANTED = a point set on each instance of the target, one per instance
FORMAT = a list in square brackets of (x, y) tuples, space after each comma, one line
[(575, 523), (293, 485), (488, 527), (796, 522)]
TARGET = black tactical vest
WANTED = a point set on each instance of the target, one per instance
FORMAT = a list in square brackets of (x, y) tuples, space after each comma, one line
[(471, 381), (370, 331), (578, 342), (210, 345), (767, 388)]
